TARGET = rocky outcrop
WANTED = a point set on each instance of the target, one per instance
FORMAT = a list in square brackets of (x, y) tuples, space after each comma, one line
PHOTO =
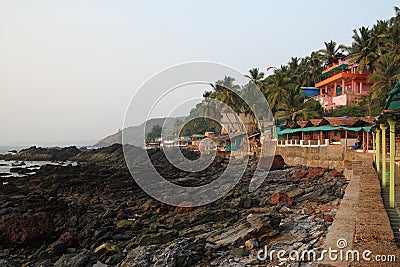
[(94, 213)]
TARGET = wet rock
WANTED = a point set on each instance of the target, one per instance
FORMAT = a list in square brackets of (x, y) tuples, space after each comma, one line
[(8, 188), (19, 170)]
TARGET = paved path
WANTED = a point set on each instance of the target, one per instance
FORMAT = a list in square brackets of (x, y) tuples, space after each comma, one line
[(343, 226), (362, 219)]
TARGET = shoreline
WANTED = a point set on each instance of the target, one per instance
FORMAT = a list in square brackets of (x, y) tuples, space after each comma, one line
[(99, 214)]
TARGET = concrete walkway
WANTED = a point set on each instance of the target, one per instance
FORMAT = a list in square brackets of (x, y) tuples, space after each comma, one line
[(361, 219), (343, 226)]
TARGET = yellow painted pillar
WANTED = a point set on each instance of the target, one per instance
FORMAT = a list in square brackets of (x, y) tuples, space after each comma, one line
[(383, 174), (373, 146), (392, 124), (378, 135)]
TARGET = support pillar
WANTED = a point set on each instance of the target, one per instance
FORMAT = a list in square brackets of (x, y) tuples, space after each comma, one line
[(345, 146), (334, 89), (343, 87), (363, 141), (378, 152), (373, 146), (392, 124), (383, 175)]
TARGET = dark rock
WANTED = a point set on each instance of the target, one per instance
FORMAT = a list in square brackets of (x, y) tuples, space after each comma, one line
[(56, 248), (277, 163), (162, 237), (71, 260), (239, 252), (21, 228), (19, 170), (68, 239), (8, 188)]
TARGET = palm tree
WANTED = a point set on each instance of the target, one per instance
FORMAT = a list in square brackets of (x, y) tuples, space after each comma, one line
[(396, 18), (332, 53), (227, 92), (379, 34), (295, 70), (275, 90), (314, 67), (293, 107), (393, 41), (386, 76), (364, 49), (255, 75)]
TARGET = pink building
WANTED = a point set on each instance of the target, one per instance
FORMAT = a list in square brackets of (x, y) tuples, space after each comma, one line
[(342, 84)]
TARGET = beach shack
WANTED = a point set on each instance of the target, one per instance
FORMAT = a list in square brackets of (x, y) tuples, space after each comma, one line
[(345, 131)]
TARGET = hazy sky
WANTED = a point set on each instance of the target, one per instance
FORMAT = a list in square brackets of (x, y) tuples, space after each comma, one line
[(69, 68)]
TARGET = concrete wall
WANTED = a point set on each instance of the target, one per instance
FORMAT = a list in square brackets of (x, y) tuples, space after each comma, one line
[(332, 157)]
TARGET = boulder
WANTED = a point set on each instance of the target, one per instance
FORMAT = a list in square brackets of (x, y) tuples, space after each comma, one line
[(280, 196), (278, 163), (21, 228)]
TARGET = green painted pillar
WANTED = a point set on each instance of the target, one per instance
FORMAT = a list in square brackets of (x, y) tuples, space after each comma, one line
[(378, 135), (392, 124), (383, 174)]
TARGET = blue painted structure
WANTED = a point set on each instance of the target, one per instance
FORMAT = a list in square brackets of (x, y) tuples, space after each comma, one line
[(310, 91)]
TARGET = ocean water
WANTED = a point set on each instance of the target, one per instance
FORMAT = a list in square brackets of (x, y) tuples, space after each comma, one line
[(6, 149), (32, 166)]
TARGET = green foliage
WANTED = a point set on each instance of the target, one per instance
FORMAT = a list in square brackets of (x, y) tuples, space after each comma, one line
[(349, 110), (154, 134), (376, 49), (200, 126)]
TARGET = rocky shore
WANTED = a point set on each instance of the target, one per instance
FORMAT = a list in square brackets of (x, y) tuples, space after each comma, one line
[(93, 213)]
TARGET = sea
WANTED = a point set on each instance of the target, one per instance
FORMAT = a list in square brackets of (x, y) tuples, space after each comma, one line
[(6, 149), (31, 166)]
